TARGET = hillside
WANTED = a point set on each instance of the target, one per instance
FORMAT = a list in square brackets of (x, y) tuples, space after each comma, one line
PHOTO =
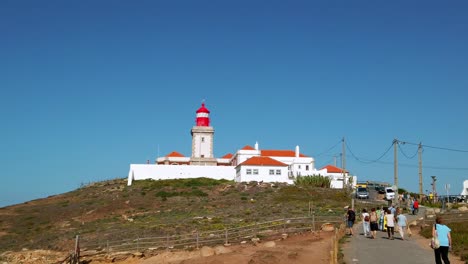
[(114, 210)]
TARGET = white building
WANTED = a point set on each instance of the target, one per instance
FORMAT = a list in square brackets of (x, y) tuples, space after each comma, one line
[(247, 164), (465, 188)]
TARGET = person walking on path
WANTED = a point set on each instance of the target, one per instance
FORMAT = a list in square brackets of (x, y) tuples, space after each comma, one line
[(373, 223), (350, 218), (390, 224), (365, 222), (402, 224), (445, 239), (415, 206)]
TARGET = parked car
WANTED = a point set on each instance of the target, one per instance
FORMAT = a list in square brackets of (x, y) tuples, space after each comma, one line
[(389, 193), (380, 189), (362, 193)]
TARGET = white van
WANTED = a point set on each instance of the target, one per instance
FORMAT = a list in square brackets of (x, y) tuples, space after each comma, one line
[(389, 194)]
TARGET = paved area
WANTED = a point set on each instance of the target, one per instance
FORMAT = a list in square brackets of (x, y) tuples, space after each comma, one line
[(381, 250)]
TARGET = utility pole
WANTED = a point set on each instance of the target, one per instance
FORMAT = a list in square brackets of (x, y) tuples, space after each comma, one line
[(395, 169), (433, 188), (343, 162), (420, 171)]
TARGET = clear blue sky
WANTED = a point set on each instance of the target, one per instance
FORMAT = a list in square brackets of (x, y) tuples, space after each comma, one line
[(89, 87)]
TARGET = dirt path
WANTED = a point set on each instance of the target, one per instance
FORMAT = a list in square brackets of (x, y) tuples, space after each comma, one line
[(296, 249)]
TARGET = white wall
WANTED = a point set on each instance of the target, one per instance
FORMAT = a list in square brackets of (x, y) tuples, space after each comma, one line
[(263, 174), (162, 172), (465, 188)]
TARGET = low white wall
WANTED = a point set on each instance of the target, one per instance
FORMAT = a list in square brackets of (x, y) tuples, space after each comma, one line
[(164, 172)]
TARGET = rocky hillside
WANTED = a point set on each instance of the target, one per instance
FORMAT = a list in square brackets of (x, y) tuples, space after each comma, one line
[(115, 210)]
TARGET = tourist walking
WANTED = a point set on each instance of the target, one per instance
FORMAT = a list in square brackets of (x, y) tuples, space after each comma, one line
[(350, 218), (390, 218), (373, 223), (365, 222), (443, 233), (402, 224), (415, 206)]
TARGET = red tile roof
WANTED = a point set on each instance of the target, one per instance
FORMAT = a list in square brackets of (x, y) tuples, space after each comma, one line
[(174, 154), (227, 156), (280, 153), (248, 148), (262, 161), (333, 169)]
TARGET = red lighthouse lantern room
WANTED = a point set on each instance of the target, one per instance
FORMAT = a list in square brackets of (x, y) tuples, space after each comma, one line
[(203, 116)]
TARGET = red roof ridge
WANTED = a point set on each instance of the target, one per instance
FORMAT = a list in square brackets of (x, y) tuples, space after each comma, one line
[(174, 154), (262, 161), (247, 147), (227, 156), (280, 153), (333, 169)]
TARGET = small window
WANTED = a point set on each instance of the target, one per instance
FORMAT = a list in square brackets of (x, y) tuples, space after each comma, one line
[(202, 139), (307, 167), (249, 171), (278, 172), (272, 172), (255, 171), (299, 166)]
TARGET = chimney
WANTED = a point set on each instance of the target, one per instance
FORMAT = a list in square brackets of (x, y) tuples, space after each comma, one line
[(256, 145), (297, 151)]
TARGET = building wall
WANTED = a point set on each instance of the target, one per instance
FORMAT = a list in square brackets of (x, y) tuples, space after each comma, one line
[(263, 174), (163, 172)]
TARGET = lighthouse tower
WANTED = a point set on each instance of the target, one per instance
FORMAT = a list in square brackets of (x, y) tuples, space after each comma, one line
[(202, 139)]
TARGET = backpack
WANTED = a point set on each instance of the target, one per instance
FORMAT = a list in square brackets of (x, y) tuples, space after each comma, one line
[(351, 216), (415, 205), (366, 218)]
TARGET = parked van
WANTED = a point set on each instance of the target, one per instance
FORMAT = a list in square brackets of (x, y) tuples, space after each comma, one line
[(389, 194)]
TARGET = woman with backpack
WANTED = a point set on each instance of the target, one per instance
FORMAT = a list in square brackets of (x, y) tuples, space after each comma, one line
[(366, 222)]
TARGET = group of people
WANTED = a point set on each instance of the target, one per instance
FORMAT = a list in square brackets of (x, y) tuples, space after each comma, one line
[(388, 218), (379, 219)]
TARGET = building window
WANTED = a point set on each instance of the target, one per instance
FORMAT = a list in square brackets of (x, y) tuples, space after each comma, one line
[(255, 171), (307, 167), (278, 172), (299, 166), (272, 172), (249, 171), (202, 139)]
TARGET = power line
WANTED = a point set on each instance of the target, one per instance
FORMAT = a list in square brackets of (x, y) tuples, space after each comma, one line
[(404, 154), (441, 148), (328, 149), (368, 161)]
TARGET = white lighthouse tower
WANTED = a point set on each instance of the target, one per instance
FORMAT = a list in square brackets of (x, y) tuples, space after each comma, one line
[(202, 139)]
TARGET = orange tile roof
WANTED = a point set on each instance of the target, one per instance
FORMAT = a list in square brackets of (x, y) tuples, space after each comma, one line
[(174, 154), (248, 148), (262, 161), (333, 169), (280, 153), (227, 156)]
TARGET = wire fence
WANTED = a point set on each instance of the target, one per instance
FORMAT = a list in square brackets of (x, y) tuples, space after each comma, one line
[(197, 239)]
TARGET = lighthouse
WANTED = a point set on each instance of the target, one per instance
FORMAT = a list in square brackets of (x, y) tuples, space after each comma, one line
[(202, 139)]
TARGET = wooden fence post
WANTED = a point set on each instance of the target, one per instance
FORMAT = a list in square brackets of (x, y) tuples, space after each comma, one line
[(225, 236)]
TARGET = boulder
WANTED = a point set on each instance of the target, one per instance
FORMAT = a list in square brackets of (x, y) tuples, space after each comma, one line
[(222, 250), (327, 227), (207, 251), (269, 244)]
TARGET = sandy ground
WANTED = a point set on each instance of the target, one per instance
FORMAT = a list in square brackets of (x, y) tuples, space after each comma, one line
[(297, 249)]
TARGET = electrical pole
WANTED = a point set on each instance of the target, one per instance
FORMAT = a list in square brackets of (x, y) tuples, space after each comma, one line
[(420, 172), (433, 188), (395, 169), (343, 162)]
